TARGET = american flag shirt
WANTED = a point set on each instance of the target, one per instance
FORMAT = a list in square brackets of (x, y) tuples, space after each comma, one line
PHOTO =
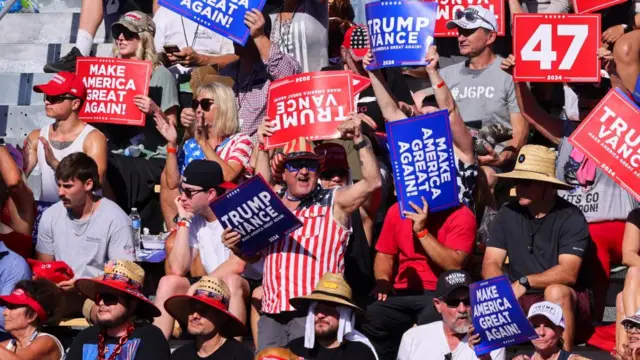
[(251, 94), (237, 147), (294, 265)]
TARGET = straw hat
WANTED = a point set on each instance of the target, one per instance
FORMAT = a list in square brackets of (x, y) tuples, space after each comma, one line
[(276, 354), (331, 288), (120, 277), (212, 292), (205, 75), (299, 148), (538, 163)]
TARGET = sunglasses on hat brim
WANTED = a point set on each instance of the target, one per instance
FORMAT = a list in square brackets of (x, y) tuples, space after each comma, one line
[(471, 16)]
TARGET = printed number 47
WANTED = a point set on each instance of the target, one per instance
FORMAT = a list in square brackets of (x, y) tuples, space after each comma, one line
[(546, 55)]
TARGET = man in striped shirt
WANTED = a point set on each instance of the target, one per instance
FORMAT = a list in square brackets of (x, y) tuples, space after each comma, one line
[(294, 264)]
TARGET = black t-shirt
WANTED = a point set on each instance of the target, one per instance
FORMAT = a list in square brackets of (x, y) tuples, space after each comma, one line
[(534, 245), (348, 350), (146, 342), (230, 350)]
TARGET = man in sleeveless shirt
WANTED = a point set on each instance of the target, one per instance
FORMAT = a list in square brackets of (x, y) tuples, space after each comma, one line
[(64, 96), (294, 264)]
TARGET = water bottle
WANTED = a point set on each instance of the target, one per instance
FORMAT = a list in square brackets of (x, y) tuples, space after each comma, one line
[(136, 225), (133, 150)]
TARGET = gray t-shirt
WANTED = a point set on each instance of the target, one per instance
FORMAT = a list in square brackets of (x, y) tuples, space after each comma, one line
[(86, 245), (604, 199), (306, 36), (484, 97)]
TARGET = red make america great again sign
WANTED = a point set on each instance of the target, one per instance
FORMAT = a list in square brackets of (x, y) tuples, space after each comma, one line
[(610, 136)]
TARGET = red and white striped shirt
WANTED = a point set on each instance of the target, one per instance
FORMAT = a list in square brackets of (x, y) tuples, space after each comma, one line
[(294, 265)]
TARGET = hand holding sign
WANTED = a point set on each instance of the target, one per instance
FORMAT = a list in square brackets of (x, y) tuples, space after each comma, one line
[(145, 104), (255, 22), (432, 59), (508, 64), (419, 217), (231, 240), (264, 130)]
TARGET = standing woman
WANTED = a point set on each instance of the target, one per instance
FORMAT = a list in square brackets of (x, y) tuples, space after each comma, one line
[(27, 309), (300, 29)]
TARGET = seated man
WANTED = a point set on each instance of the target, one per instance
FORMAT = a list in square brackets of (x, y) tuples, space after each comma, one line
[(207, 317), (198, 236), (122, 330), (83, 230), (64, 96), (449, 336), (330, 326), (546, 238), (17, 198), (422, 246)]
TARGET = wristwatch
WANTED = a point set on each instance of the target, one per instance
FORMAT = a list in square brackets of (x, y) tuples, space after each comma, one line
[(525, 282), (362, 144)]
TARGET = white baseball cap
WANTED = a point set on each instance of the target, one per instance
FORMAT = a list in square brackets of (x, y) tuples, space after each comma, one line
[(633, 318), (551, 311), (474, 17)]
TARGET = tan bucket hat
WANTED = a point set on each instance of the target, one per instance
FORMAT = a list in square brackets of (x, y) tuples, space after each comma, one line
[(206, 75), (331, 288), (537, 163)]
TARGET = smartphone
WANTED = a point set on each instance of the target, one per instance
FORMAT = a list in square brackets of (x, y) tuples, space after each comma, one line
[(171, 48)]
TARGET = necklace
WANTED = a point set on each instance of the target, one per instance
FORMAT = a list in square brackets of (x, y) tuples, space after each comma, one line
[(86, 226), (195, 34), (290, 197)]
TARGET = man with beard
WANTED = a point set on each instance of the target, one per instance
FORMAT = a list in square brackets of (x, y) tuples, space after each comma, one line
[(84, 230), (321, 241), (329, 328), (206, 314), (449, 338), (122, 327)]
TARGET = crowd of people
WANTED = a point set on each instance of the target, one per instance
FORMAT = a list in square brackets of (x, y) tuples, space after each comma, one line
[(358, 279)]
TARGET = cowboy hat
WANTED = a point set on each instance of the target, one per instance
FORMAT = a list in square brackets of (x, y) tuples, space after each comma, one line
[(537, 163), (331, 288), (299, 148), (206, 75), (212, 292), (120, 277)]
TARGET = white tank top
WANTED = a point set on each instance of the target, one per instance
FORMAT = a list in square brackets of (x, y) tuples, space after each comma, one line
[(12, 344), (49, 187)]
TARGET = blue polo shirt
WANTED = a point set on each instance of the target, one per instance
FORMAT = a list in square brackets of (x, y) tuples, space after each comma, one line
[(13, 268)]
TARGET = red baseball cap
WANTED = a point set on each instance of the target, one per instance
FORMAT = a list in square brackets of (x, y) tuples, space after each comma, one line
[(335, 156), (356, 40), (55, 271), (19, 297), (63, 83)]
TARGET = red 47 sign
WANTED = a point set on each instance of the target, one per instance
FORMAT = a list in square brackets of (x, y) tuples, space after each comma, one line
[(556, 47), (447, 11)]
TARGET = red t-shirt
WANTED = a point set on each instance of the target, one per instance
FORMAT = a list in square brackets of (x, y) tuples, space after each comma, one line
[(454, 228)]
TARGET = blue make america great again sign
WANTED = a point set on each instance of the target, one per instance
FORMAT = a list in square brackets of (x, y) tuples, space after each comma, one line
[(225, 17)]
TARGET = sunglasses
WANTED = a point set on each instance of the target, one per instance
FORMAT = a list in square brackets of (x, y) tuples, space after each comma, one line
[(126, 33), (204, 103), (57, 99), (107, 298), (454, 303), (189, 192), (628, 326), (471, 16), (297, 165), (331, 173)]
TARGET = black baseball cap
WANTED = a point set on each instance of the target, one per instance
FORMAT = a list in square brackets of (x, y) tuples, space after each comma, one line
[(452, 280), (206, 174)]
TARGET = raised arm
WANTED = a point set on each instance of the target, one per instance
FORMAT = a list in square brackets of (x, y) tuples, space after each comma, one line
[(349, 198), (20, 194), (388, 104)]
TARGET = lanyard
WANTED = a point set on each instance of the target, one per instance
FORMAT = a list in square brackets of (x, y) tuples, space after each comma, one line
[(195, 34)]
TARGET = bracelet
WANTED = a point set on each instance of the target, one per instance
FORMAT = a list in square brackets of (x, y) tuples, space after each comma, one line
[(422, 233), (184, 224), (441, 84), (185, 219), (362, 144), (172, 150)]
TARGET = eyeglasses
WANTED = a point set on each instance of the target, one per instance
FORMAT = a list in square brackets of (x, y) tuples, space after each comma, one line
[(454, 303), (297, 165), (629, 325), (331, 173), (189, 192), (108, 298), (472, 16), (204, 103), (57, 99), (121, 30)]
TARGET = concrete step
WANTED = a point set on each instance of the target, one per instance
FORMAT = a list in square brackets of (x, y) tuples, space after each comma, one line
[(47, 28), (16, 122), (30, 58), (59, 6), (17, 89)]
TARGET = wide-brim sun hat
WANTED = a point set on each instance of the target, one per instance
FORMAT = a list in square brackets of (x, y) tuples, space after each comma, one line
[(537, 163), (332, 288), (215, 294), (121, 277)]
